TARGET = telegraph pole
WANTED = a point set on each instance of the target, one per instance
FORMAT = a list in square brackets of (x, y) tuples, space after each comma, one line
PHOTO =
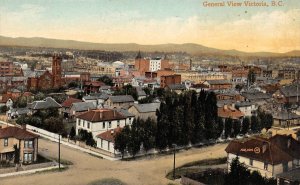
[(59, 151)]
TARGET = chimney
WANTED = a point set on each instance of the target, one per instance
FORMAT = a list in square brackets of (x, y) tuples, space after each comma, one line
[(289, 143), (264, 147), (112, 132)]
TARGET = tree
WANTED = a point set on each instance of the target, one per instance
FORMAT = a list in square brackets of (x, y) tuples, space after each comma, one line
[(17, 154), (134, 142), (228, 127), (255, 126), (251, 77), (236, 128), (39, 96), (21, 102), (148, 134), (72, 133), (106, 79), (238, 174), (245, 125), (121, 140), (3, 109)]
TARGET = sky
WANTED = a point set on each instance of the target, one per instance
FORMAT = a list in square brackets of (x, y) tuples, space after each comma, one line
[(252, 29)]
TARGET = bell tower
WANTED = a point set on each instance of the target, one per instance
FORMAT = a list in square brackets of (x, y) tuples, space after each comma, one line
[(56, 71)]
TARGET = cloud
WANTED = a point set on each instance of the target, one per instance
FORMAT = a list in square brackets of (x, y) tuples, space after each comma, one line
[(277, 31)]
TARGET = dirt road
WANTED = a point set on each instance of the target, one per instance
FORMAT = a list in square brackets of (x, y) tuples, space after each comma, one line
[(87, 168)]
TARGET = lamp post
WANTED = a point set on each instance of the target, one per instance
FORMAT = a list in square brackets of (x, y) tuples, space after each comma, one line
[(174, 150)]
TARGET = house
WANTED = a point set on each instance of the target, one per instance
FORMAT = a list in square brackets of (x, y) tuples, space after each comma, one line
[(106, 140), (178, 88), (81, 107), (144, 111), (66, 105), (100, 120), (25, 141), (270, 156), (119, 101), (257, 97), (287, 94), (218, 84), (140, 93), (47, 103), (16, 112), (228, 111), (285, 119), (170, 79), (247, 108)]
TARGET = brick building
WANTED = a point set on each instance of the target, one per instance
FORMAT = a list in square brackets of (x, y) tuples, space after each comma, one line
[(169, 79), (9, 69)]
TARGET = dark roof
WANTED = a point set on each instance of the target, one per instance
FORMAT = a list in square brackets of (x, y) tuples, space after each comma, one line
[(292, 175), (110, 134), (121, 98), (283, 115), (256, 95), (68, 102), (44, 104), (83, 106), (16, 132), (101, 115), (147, 107), (277, 149), (290, 91), (177, 87)]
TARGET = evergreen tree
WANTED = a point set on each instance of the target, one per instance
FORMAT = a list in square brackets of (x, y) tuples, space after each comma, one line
[(121, 140), (148, 134), (238, 174), (134, 142), (162, 131), (255, 126), (236, 128), (228, 127), (245, 125), (72, 133)]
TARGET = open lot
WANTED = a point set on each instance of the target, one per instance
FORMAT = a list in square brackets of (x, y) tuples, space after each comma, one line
[(87, 168)]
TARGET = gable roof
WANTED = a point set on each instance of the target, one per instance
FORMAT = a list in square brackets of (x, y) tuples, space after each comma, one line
[(110, 134), (290, 91), (83, 106), (121, 98), (68, 102), (276, 149), (17, 133), (44, 104), (229, 112), (101, 115), (147, 107)]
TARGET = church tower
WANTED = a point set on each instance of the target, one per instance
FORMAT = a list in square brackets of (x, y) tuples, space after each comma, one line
[(56, 71)]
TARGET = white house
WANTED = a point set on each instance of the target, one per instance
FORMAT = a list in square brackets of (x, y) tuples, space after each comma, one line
[(101, 120), (248, 108), (106, 140), (155, 64), (269, 156)]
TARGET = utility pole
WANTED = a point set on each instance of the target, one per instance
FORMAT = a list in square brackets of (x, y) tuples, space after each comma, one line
[(59, 151), (174, 150)]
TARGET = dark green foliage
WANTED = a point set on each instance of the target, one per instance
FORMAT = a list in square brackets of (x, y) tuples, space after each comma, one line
[(255, 125), (72, 133), (236, 128), (134, 142), (73, 84), (251, 77), (245, 125), (265, 119), (127, 90), (228, 127), (240, 175), (3, 109), (17, 154), (21, 102), (121, 140), (106, 79), (87, 137)]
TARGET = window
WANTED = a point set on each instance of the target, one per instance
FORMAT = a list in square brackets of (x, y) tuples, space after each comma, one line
[(266, 166), (285, 166), (129, 120), (251, 162), (109, 124), (103, 125), (27, 157), (83, 123), (118, 123), (6, 142), (88, 125), (28, 144)]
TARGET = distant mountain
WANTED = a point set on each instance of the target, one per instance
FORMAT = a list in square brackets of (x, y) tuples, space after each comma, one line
[(194, 49)]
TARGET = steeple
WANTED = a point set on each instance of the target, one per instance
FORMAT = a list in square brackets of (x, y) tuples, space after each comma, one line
[(139, 56)]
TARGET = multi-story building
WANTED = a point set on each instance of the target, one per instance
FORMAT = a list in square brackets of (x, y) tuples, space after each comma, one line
[(9, 69), (144, 65), (287, 73), (12, 138), (170, 79), (197, 77), (269, 156)]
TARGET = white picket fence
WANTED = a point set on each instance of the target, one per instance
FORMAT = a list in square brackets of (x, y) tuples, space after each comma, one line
[(42, 132)]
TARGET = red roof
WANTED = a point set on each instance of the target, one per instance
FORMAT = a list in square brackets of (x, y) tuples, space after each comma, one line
[(27, 94), (110, 134), (17, 133), (278, 149), (99, 115), (229, 112), (68, 102)]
